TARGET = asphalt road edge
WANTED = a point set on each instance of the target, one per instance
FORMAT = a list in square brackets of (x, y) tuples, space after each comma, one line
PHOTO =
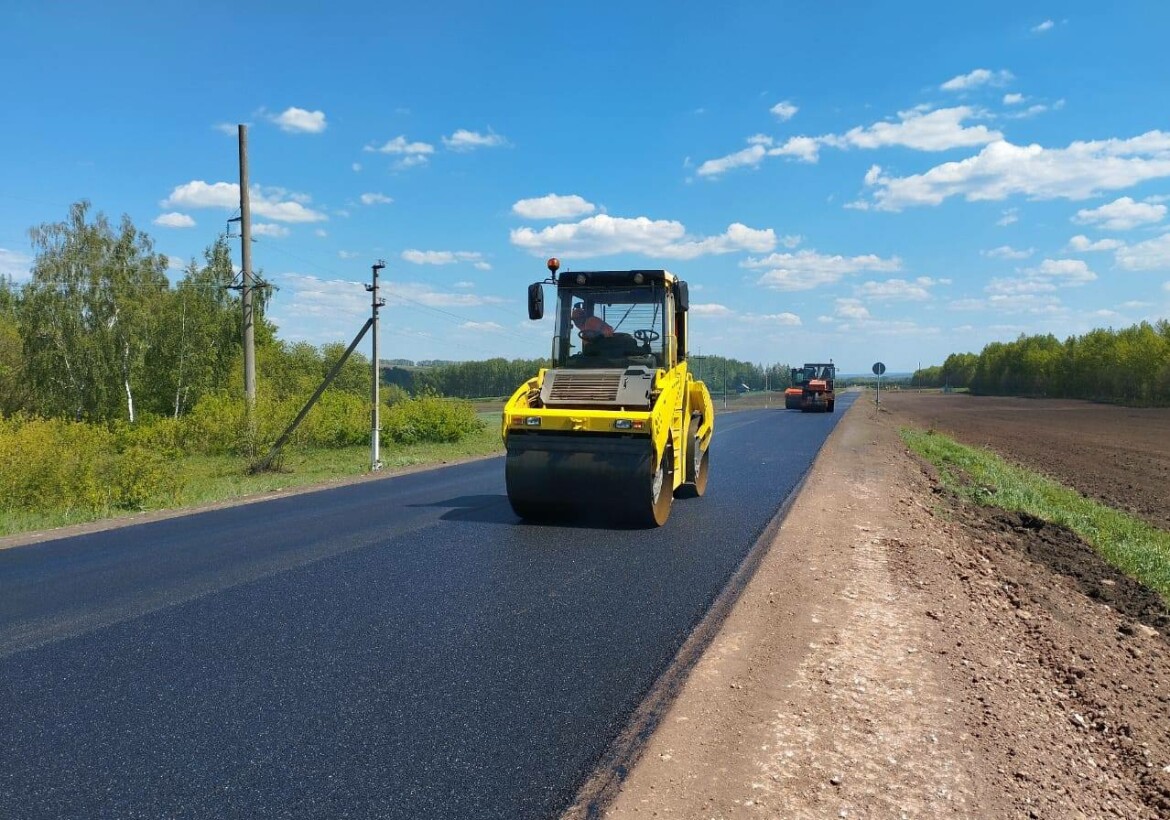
[(604, 783)]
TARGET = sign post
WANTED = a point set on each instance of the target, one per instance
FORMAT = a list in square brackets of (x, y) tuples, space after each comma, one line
[(878, 370)]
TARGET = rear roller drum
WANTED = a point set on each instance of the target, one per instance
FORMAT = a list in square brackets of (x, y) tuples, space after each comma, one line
[(697, 463)]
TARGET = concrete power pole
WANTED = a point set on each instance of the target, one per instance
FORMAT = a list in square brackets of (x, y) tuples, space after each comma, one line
[(376, 381), (246, 263)]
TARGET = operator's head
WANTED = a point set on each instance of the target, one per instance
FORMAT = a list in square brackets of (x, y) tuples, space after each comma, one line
[(579, 314)]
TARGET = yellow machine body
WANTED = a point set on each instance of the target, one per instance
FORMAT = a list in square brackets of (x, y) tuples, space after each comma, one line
[(620, 425)]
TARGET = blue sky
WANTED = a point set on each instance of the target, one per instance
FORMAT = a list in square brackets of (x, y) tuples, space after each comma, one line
[(865, 181)]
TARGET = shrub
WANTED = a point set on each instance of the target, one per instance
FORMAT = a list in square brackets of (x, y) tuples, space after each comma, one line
[(54, 464), (429, 419), (337, 420), (143, 476)]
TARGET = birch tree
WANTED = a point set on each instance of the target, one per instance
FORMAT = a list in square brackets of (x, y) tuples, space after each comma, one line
[(90, 315)]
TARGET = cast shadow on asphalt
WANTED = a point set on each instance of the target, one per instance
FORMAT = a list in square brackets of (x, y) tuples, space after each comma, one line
[(494, 509)]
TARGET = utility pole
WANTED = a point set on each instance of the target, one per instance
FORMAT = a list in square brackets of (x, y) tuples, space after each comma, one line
[(767, 394), (376, 381), (246, 273)]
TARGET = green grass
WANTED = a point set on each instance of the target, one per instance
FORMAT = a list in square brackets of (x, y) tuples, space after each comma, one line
[(208, 479), (1128, 543)]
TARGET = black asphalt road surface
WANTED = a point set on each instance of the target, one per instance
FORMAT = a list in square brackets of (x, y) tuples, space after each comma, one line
[(401, 648)]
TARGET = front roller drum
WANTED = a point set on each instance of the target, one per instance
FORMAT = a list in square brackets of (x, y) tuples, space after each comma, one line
[(612, 479)]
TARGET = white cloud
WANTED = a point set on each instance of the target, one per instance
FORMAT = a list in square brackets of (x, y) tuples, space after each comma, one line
[(333, 306), (269, 230), (376, 199), (1082, 244), (938, 130), (174, 220), (1033, 110), (1007, 217), (791, 240), (426, 295), (1013, 99), (978, 77), (711, 310), (348, 254), (602, 235), (1153, 254), (786, 319), (298, 120), (490, 326), (784, 111), (321, 232), (917, 290), (1066, 271), (850, 309), (1008, 252), (412, 161), (553, 206), (418, 257), (1048, 277), (1002, 169), (808, 269), (357, 166), (1166, 286), (1121, 214), (272, 203), (464, 285), (747, 158), (228, 128), (464, 140), (400, 145), (1043, 27), (15, 265), (805, 149)]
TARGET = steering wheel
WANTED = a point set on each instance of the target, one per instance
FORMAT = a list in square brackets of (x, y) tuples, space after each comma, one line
[(646, 336), (589, 335)]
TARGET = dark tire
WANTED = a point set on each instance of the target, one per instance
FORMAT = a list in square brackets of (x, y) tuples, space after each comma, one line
[(653, 508), (697, 464), (830, 406)]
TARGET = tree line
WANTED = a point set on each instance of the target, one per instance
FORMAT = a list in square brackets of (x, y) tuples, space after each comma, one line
[(1130, 365), (99, 334), (496, 378)]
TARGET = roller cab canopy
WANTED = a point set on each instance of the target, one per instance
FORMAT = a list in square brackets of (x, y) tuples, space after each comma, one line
[(619, 320)]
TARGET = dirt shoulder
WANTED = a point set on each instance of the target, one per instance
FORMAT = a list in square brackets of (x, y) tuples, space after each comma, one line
[(897, 655)]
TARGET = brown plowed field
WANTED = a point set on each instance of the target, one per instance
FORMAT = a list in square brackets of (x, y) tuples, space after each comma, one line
[(1119, 455)]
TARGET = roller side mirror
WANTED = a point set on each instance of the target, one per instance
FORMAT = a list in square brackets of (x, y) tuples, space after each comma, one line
[(535, 301)]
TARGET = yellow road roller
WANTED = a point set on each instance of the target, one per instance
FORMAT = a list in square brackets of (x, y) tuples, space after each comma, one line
[(617, 427)]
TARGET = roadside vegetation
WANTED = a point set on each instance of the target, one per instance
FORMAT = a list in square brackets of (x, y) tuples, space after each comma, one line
[(981, 477), (1127, 366), (121, 390), (54, 473)]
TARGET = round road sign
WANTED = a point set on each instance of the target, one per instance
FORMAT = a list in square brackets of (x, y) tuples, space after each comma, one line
[(878, 368)]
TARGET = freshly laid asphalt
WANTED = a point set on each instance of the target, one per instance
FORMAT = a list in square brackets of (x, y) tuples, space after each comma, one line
[(400, 648)]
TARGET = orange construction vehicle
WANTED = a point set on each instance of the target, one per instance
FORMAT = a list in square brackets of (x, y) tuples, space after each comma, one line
[(816, 383), (793, 394)]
